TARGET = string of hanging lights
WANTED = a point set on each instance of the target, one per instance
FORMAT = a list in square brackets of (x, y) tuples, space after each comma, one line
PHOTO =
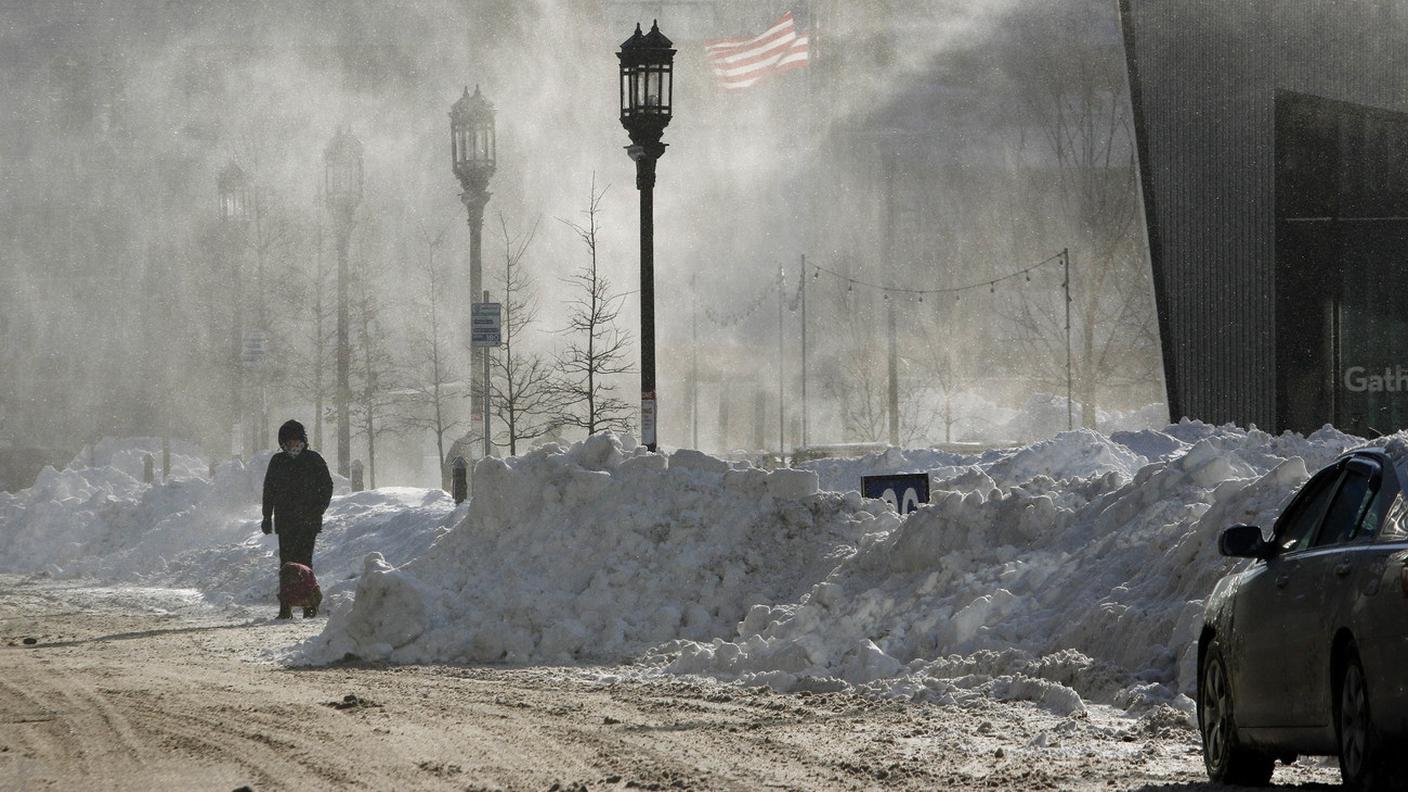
[(851, 282), (730, 318)]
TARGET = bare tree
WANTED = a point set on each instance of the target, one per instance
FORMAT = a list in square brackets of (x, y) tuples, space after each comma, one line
[(373, 388), (596, 348), (525, 400), (1074, 92), (432, 373), (944, 369), (858, 386), (274, 239), (303, 294)]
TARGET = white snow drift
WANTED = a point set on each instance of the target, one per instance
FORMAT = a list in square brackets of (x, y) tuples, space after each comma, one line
[(1065, 571), (102, 522)]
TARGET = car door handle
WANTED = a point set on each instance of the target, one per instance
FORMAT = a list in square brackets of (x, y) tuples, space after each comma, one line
[(1343, 569), (1282, 581)]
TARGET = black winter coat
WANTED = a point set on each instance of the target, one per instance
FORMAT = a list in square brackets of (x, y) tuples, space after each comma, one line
[(297, 491)]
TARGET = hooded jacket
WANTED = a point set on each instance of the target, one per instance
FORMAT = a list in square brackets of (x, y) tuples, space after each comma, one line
[(297, 490)]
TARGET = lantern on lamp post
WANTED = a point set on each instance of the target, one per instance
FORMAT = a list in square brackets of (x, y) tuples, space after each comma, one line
[(342, 189), (647, 95), (473, 153), (233, 191)]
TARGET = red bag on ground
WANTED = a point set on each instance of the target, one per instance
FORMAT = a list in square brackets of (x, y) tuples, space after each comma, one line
[(298, 587)]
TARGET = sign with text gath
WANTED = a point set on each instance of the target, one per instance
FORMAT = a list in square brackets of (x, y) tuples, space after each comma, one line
[(485, 324)]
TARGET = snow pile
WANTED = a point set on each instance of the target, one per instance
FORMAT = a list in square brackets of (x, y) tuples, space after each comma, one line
[(1042, 411), (1069, 570), (1062, 572), (129, 456), (1046, 590), (1079, 454), (843, 474), (599, 551), (102, 522)]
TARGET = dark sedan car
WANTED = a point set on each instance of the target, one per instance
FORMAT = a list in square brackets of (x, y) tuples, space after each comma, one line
[(1305, 649)]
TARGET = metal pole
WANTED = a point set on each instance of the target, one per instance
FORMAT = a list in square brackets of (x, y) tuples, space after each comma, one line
[(261, 422), (238, 449), (486, 392), (894, 371), (804, 349), (649, 403), (889, 253), (475, 202), (781, 363), (318, 342), (344, 354), (1066, 286), (694, 361)]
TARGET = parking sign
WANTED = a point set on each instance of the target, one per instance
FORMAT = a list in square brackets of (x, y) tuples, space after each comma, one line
[(485, 324)]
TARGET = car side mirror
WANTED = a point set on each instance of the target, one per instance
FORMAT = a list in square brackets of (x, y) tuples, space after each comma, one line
[(1243, 541)]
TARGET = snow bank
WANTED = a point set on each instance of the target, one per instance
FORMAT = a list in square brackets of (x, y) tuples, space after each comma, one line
[(1094, 583), (129, 456), (100, 521), (1066, 571), (599, 551)]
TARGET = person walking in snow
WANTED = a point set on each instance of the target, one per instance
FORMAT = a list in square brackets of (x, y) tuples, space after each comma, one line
[(297, 490)]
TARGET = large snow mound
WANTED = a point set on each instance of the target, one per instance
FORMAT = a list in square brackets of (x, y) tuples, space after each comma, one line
[(1094, 584), (1069, 570), (599, 551)]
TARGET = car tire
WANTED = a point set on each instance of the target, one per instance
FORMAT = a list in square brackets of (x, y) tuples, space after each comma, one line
[(1226, 760), (1363, 765)]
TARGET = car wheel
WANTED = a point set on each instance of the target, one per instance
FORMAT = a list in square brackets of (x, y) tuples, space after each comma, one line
[(1361, 765), (1226, 760)]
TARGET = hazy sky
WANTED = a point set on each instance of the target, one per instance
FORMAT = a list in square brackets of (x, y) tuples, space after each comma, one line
[(121, 113)]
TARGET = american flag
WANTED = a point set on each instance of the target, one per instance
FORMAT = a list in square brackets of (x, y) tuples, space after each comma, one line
[(740, 62)]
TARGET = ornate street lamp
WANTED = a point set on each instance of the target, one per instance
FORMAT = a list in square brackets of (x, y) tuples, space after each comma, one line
[(342, 189), (647, 95), (233, 187), (233, 190), (473, 151)]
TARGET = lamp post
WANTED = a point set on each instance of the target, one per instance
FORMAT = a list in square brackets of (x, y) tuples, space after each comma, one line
[(473, 149), (647, 92), (232, 187), (342, 187)]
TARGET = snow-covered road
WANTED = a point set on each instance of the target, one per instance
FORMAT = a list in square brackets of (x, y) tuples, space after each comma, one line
[(127, 688)]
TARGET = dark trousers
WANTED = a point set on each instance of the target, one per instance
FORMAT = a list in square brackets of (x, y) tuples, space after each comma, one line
[(297, 547)]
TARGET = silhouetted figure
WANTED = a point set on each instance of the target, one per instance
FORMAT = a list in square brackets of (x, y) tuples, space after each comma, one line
[(297, 490)]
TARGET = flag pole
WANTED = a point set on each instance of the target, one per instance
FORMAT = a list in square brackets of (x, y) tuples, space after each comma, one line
[(694, 361), (781, 394), (804, 349)]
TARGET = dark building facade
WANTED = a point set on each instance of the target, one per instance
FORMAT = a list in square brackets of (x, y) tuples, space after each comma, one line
[(1273, 151)]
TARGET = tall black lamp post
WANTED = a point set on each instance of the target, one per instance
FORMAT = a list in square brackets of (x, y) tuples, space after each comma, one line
[(472, 157), (647, 91), (342, 188), (234, 192)]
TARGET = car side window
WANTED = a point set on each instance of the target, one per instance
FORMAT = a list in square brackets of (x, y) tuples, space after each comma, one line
[(1298, 523), (1395, 523), (1352, 500)]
